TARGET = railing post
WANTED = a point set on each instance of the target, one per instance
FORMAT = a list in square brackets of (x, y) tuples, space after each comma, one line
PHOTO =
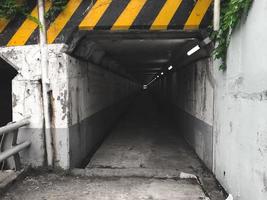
[(9, 148)]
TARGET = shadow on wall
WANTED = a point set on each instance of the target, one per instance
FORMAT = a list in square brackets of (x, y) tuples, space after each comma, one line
[(7, 73)]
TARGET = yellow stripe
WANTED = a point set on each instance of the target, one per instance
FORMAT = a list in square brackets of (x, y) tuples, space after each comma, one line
[(62, 19), (3, 24), (129, 14), (27, 28), (166, 14), (197, 14), (94, 14)]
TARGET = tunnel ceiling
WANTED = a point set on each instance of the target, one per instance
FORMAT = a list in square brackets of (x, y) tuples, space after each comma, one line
[(141, 58)]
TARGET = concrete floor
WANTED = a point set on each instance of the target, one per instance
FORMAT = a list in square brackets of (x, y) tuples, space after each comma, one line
[(142, 158), (145, 138)]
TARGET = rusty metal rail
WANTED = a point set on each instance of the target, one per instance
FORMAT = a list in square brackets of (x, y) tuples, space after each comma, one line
[(8, 144)]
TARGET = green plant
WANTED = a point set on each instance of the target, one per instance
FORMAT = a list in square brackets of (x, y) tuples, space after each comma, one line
[(11, 8), (57, 7), (232, 12)]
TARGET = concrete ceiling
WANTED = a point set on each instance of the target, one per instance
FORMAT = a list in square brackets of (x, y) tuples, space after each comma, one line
[(142, 58), (138, 56)]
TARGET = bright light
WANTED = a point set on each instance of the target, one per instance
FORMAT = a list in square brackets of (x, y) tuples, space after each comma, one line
[(170, 67), (193, 50), (144, 87), (162, 73), (157, 76)]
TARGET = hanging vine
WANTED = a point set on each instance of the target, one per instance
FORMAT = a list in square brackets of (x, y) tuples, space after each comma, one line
[(232, 12), (57, 7), (11, 8)]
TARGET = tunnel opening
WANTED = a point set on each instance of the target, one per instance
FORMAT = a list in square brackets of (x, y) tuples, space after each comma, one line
[(161, 118), (7, 73)]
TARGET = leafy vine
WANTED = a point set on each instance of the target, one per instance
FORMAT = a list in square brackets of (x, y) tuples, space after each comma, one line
[(11, 8), (232, 12)]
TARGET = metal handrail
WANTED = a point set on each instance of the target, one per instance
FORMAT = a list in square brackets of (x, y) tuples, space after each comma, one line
[(16, 149), (11, 148), (14, 126)]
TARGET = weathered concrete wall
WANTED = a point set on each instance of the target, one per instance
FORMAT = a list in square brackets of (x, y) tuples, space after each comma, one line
[(238, 126), (241, 108), (27, 99), (84, 99), (97, 98), (188, 95)]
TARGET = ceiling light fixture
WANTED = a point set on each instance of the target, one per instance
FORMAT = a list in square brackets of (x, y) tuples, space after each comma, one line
[(170, 67), (193, 50)]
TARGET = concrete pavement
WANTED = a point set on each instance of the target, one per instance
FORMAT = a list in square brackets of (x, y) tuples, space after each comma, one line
[(144, 157)]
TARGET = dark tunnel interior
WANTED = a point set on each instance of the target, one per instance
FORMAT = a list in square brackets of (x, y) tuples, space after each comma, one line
[(7, 73)]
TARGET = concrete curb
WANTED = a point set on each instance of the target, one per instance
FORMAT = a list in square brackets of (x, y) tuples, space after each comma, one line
[(208, 185), (133, 172)]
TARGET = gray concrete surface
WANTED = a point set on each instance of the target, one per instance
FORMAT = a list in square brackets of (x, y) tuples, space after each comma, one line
[(142, 158), (145, 139), (240, 123), (56, 187)]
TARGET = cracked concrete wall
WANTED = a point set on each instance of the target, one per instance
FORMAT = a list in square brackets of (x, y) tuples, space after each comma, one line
[(27, 100), (240, 126), (80, 91)]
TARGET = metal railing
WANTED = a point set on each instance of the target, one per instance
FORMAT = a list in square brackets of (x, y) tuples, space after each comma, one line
[(9, 146)]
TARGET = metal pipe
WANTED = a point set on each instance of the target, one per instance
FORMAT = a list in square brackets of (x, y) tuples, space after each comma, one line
[(10, 152), (14, 126), (45, 82), (216, 15)]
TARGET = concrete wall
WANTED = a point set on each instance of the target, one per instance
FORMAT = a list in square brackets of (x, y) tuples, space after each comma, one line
[(97, 98), (85, 102), (240, 127), (188, 96)]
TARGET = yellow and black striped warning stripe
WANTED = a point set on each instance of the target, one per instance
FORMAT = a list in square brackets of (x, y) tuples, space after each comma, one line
[(109, 15)]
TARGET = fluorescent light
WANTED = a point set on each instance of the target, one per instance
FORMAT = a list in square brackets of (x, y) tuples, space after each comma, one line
[(170, 67), (161, 73), (193, 50)]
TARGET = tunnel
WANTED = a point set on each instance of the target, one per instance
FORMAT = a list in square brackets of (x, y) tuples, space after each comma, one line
[(126, 89), (157, 120)]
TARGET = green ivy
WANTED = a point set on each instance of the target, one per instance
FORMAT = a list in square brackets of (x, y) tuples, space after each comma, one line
[(232, 12), (57, 7), (10, 8)]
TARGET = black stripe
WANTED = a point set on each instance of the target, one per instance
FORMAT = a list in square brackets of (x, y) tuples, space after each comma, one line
[(148, 14), (179, 19), (34, 38), (14, 25), (73, 23), (111, 15), (207, 19)]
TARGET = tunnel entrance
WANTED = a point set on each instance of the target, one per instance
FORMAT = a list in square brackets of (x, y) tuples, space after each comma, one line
[(154, 126), (140, 56), (7, 73)]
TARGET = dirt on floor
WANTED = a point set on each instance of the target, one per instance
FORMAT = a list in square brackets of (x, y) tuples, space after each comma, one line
[(53, 186)]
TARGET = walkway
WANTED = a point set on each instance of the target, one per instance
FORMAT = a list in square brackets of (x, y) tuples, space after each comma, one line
[(143, 158)]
